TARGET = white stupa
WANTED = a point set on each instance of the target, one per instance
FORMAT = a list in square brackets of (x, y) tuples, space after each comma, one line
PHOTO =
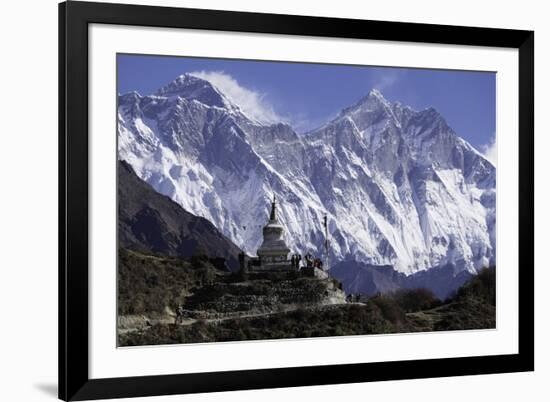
[(273, 252)]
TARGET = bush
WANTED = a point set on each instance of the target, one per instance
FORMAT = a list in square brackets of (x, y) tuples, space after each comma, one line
[(411, 300), (389, 307)]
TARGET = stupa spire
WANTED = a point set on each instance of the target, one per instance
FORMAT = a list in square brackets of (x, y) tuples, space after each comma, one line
[(273, 214)]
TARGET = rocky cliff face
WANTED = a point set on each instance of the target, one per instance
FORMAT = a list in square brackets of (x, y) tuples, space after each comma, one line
[(399, 187)]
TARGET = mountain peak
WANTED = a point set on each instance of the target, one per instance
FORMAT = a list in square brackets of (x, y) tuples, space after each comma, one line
[(374, 100), (190, 87), (179, 83), (376, 94)]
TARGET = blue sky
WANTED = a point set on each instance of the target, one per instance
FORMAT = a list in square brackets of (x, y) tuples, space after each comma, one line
[(307, 95)]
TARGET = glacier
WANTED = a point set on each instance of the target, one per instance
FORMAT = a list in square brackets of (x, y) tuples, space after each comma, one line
[(398, 186)]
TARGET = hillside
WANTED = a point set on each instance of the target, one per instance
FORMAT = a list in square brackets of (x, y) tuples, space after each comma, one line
[(152, 223), (151, 287), (228, 309), (473, 306), (150, 284)]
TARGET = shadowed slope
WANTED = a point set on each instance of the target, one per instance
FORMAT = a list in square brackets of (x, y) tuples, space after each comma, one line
[(153, 223)]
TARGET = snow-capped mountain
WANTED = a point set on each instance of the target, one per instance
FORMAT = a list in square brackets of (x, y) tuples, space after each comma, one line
[(399, 187)]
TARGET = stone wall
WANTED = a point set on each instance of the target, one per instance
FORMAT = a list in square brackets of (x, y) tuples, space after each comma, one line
[(262, 296)]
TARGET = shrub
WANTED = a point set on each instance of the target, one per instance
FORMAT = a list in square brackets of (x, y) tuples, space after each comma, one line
[(389, 307), (411, 300)]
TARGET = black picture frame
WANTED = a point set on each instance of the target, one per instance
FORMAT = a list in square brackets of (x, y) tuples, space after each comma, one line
[(74, 18)]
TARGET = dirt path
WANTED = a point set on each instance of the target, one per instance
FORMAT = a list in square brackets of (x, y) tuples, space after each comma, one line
[(191, 321)]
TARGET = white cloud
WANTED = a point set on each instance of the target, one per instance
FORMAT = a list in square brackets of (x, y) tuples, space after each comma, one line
[(490, 151), (385, 80), (252, 103)]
